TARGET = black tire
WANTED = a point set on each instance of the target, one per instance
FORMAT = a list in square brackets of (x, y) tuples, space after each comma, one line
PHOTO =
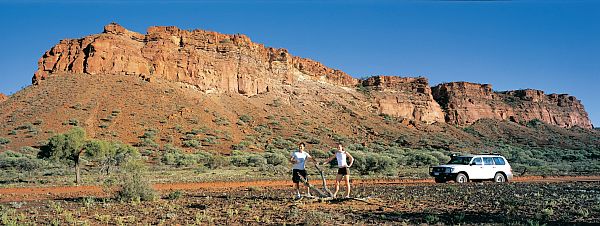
[(499, 178), (440, 180), (461, 178)]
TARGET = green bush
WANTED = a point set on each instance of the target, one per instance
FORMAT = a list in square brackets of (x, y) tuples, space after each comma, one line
[(191, 143), (256, 160), (422, 159), (10, 160), (319, 154), (73, 122), (374, 163), (217, 161), (221, 121), (242, 159), (4, 141), (134, 185), (275, 159), (245, 118), (175, 157), (174, 195), (239, 160)]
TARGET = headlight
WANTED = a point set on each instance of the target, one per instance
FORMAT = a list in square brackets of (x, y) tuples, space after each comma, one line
[(449, 170)]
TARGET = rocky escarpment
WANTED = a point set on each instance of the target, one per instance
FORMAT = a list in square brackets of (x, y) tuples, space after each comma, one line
[(465, 103), (3, 97), (211, 61), (221, 63), (404, 97)]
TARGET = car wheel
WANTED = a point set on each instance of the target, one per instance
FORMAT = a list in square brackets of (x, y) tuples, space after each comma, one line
[(440, 180), (499, 178), (461, 178)]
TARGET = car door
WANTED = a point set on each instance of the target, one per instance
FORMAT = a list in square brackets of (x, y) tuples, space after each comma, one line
[(489, 168), (476, 169), (501, 165)]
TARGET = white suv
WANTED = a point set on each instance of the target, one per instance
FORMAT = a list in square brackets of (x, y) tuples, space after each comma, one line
[(476, 167)]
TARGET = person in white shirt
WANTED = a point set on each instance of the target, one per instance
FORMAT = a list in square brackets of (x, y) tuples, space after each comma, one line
[(298, 158), (343, 172)]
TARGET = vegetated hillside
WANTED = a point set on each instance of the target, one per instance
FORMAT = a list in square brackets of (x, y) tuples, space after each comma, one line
[(150, 115), (117, 107)]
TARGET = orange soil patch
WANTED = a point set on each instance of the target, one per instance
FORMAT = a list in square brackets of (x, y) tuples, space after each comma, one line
[(38, 193)]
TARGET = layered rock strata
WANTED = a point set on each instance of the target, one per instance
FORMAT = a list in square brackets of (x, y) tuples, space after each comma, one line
[(404, 97), (211, 61), (465, 103)]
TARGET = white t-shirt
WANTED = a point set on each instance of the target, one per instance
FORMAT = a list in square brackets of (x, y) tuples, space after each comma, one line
[(300, 157), (340, 156)]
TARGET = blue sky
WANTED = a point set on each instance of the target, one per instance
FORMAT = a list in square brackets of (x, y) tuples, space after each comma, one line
[(549, 45)]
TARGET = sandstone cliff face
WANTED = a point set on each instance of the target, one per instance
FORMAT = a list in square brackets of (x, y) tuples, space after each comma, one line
[(220, 63), (404, 97), (211, 61), (465, 103), (3, 97)]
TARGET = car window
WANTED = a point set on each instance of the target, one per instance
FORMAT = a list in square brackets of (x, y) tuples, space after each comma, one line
[(477, 161), (488, 161), (460, 160), (499, 161)]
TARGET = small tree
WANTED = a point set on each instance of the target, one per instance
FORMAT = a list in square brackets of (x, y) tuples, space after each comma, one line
[(67, 147), (109, 154)]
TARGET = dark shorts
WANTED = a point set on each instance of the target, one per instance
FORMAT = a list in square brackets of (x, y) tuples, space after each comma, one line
[(343, 171), (296, 173)]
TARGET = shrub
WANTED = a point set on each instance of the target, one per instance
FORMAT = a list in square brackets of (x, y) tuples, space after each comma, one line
[(275, 159), (217, 161), (191, 143), (38, 122), (422, 159), (26, 126), (134, 186), (374, 163), (441, 157), (4, 141), (10, 160), (239, 160), (175, 157), (73, 122), (318, 153), (256, 160), (221, 121), (243, 145), (174, 195), (245, 118)]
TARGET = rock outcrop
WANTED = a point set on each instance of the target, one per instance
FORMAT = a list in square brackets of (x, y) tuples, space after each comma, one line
[(465, 103), (3, 97), (221, 63), (211, 61), (408, 98)]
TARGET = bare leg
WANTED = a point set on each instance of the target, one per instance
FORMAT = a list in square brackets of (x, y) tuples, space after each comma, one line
[(297, 185), (308, 191), (338, 178), (347, 180)]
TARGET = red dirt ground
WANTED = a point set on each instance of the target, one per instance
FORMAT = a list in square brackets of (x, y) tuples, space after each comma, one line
[(39, 193)]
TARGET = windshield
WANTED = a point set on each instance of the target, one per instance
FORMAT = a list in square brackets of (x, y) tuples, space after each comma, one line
[(460, 160)]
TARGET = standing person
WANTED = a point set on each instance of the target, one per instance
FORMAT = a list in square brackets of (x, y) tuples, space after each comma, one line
[(343, 172), (298, 158)]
